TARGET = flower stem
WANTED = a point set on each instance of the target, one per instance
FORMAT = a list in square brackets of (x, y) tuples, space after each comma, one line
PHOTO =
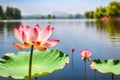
[(94, 74), (72, 60), (35, 78), (30, 62), (84, 69), (112, 76)]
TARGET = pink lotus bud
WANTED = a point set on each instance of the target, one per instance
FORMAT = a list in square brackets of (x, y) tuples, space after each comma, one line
[(72, 49), (85, 54)]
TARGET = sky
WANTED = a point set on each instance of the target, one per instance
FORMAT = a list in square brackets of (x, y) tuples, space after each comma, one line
[(31, 7)]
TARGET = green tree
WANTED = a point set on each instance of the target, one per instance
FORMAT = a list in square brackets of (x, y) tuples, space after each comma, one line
[(9, 13), (16, 13), (86, 14), (54, 17), (113, 9), (70, 17), (1, 13), (78, 16), (89, 14), (42, 17), (49, 17), (100, 12), (13, 13)]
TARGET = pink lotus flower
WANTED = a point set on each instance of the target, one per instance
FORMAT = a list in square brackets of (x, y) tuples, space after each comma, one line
[(85, 54), (35, 36), (72, 49)]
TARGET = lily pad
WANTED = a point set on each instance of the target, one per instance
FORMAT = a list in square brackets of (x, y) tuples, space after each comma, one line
[(107, 66), (43, 63)]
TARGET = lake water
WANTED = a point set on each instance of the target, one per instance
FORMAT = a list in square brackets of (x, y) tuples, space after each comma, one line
[(101, 38)]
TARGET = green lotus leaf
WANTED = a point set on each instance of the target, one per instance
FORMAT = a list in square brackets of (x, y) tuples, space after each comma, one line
[(43, 63), (107, 66)]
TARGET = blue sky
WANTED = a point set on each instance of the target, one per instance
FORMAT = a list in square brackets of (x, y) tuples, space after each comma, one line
[(29, 7)]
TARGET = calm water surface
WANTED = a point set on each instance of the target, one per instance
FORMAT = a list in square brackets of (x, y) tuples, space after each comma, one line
[(101, 38)]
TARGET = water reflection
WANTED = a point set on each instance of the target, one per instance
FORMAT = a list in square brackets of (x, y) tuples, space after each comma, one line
[(110, 28), (6, 36), (6, 29), (90, 23)]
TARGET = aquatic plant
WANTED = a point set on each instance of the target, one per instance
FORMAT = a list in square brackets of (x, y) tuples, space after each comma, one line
[(35, 36), (85, 56), (16, 65), (107, 66), (72, 50), (39, 62)]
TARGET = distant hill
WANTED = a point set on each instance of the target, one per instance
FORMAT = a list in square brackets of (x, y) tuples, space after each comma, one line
[(54, 15), (60, 14)]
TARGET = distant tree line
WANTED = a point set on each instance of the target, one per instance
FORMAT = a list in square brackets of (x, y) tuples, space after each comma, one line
[(50, 16), (10, 13), (112, 10), (76, 16)]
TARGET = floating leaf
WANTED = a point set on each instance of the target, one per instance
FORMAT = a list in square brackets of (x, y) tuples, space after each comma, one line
[(44, 62), (107, 66)]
